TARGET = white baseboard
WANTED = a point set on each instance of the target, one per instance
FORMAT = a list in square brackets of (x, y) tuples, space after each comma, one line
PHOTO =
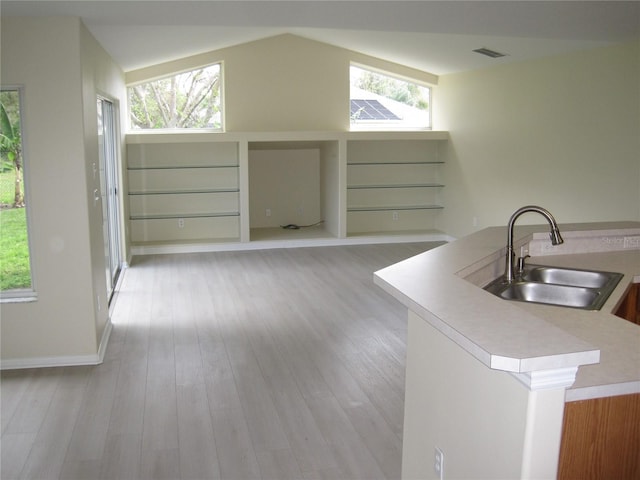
[(362, 239), (62, 360), (42, 362), (104, 341)]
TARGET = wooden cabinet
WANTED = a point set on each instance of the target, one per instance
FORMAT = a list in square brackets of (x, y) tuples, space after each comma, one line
[(629, 308), (601, 439)]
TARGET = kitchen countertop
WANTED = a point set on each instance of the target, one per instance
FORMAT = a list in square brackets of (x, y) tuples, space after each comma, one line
[(444, 287)]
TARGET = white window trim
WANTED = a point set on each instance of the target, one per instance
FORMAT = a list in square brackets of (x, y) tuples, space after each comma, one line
[(368, 126), (162, 131), (23, 295)]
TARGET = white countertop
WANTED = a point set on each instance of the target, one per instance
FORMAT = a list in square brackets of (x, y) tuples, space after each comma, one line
[(443, 286)]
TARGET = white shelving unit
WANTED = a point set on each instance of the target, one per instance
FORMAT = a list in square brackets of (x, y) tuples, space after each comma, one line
[(392, 185), (181, 191), (193, 191), (304, 186)]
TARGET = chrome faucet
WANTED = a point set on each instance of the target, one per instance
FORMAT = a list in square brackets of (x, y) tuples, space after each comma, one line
[(556, 238)]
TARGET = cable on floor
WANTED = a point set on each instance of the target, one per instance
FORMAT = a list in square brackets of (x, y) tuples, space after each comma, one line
[(293, 226)]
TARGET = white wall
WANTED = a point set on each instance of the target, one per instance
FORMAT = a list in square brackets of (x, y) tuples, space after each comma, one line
[(487, 424), (282, 83), (288, 183), (287, 83), (333, 187), (561, 132), (100, 76), (56, 61)]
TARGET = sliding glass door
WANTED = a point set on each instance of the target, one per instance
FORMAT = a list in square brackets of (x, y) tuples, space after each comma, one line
[(108, 148)]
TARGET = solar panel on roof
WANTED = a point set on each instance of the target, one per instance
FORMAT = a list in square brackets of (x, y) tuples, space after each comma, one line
[(371, 110)]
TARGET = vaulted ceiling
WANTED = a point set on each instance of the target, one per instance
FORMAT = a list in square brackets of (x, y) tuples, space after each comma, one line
[(434, 36)]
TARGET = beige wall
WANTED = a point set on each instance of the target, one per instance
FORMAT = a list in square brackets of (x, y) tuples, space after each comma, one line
[(487, 424), (288, 183), (287, 83), (56, 60), (100, 76), (561, 132), (283, 83)]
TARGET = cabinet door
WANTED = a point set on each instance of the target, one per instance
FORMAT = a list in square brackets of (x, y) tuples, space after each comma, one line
[(601, 439), (629, 309)]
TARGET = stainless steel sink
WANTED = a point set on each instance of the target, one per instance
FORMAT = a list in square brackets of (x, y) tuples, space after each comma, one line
[(564, 287), (565, 276), (564, 295)]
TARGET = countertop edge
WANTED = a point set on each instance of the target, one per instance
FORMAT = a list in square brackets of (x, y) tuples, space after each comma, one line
[(441, 270), (511, 364), (600, 391)]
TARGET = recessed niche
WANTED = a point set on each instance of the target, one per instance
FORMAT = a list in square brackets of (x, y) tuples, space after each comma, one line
[(293, 183)]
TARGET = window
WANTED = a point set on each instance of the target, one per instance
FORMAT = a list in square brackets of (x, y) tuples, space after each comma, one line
[(183, 101), (385, 102), (15, 258)]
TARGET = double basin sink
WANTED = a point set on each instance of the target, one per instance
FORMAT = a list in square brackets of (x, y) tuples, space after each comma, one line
[(566, 287)]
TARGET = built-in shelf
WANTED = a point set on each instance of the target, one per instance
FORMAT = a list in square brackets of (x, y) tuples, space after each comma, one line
[(181, 192), (392, 185), (206, 188), (408, 185), (389, 208), (185, 215), (180, 167), (394, 163)]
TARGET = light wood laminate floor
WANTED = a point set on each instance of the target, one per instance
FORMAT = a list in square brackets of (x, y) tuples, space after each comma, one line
[(271, 364)]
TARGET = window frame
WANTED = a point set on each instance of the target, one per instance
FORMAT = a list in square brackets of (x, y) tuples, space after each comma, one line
[(151, 131), (23, 294), (374, 125)]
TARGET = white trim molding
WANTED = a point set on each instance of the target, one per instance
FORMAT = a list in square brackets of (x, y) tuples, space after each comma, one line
[(62, 360), (44, 362), (284, 243), (548, 379), (104, 341)]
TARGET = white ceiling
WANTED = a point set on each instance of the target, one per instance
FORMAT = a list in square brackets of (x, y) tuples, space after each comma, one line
[(434, 36)]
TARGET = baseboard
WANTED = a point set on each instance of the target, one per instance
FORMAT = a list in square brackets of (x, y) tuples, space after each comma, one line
[(361, 239), (62, 360), (44, 362), (104, 341)]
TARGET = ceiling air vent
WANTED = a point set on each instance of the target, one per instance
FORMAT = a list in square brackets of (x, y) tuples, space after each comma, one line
[(489, 53)]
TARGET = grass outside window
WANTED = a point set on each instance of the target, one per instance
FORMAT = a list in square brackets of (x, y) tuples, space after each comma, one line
[(14, 245)]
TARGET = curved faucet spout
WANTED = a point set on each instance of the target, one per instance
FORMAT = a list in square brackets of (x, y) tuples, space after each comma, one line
[(556, 238)]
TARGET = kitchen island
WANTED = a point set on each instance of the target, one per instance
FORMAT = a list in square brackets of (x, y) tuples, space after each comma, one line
[(487, 379)]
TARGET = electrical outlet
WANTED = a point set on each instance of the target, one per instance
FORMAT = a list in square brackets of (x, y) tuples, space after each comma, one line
[(267, 212), (181, 223), (394, 215), (438, 463)]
